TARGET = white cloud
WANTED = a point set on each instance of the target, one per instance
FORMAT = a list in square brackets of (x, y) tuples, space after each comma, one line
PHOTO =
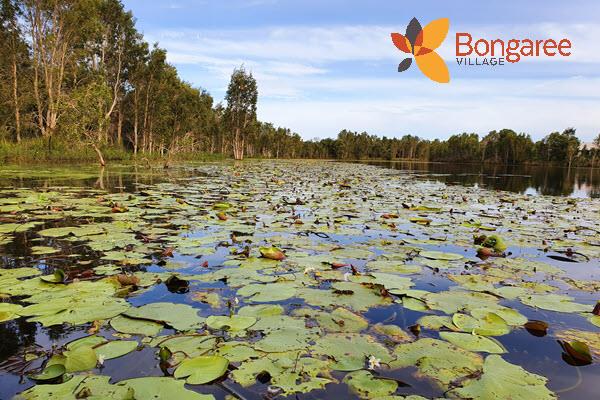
[(304, 84)]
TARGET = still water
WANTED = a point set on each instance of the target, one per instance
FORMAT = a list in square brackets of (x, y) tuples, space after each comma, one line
[(203, 184), (552, 181)]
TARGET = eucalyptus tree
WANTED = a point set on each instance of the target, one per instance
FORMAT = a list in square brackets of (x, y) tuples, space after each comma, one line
[(240, 113)]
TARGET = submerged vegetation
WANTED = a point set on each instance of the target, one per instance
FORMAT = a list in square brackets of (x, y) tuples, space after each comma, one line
[(308, 279)]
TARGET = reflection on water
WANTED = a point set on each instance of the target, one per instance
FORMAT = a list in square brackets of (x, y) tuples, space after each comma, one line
[(533, 180)]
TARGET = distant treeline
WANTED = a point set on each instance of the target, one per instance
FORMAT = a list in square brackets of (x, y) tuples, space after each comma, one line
[(77, 80), (501, 147)]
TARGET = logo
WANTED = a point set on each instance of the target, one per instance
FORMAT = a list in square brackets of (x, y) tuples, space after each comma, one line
[(421, 43)]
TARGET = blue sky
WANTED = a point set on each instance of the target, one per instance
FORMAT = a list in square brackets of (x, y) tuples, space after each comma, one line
[(323, 66)]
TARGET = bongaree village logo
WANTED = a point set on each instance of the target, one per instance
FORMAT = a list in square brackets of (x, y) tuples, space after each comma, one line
[(421, 43)]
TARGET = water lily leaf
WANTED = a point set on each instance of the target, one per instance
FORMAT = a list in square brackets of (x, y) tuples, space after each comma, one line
[(502, 380), (82, 358), (115, 349), (441, 361), (272, 253), (87, 341), (555, 302), (237, 351), (344, 294), (9, 311), (135, 326), (162, 388), (350, 351), (235, 323), (578, 351), (192, 345), (261, 310), (393, 332), (292, 382), (286, 339), (179, 316), (57, 277), (78, 387), (438, 255), (202, 369), (591, 340), (339, 320), (536, 328), (368, 386), (267, 292), (50, 373), (488, 324), (473, 342)]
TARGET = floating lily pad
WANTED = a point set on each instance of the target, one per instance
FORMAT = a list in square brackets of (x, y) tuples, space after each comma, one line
[(162, 388), (473, 342), (135, 326), (368, 386), (235, 323), (115, 349), (179, 316), (438, 255), (203, 369), (502, 380)]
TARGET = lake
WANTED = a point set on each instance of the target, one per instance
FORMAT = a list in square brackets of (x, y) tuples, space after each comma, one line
[(299, 279), (534, 180)]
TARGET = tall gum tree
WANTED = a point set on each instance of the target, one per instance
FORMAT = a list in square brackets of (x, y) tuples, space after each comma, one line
[(240, 114)]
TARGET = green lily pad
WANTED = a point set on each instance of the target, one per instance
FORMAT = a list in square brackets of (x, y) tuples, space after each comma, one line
[(350, 351), (203, 369), (502, 380), (50, 373), (555, 302), (82, 358), (235, 323), (440, 361), (439, 255), (473, 342), (162, 388), (115, 349), (267, 292), (135, 326), (367, 386), (179, 316)]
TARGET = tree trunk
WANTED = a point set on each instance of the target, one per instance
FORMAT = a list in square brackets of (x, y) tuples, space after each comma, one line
[(120, 127), (16, 100), (100, 157)]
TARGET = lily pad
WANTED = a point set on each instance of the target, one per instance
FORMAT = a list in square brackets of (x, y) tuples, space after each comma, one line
[(473, 342), (502, 380), (439, 255), (179, 316), (367, 386), (135, 326), (203, 369), (115, 349), (235, 323)]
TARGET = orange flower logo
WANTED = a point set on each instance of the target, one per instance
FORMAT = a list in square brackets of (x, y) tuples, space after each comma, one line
[(421, 43)]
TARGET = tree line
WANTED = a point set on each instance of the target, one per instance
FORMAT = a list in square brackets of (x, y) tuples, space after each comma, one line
[(500, 147), (76, 75)]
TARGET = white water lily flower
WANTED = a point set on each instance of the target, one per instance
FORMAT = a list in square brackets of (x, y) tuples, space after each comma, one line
[(374, 362), (101, 359), (347, 276), (308, 270)]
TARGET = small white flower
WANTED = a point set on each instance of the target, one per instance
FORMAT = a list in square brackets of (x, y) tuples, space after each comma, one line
[(309, 270), (236, 300), (347, 276), (374, 362), (101, 359)]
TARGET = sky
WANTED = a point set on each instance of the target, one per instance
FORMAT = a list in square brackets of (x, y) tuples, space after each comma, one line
[(323, 66)]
